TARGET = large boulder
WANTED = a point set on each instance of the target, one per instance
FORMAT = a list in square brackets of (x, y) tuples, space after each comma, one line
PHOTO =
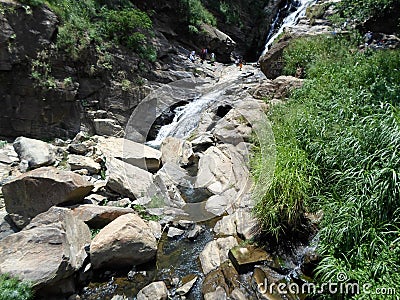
[(126, 241), (216, 252), (99, 216), (36, 191), (136, 154), (34, 152), (176, 151), (79, 162), (128, 180), (50, 249), (154, 291)]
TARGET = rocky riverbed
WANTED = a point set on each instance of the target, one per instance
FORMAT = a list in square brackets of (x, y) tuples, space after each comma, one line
[(101, 217)]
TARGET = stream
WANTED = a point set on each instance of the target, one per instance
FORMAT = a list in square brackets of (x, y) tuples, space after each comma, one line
[(177, 258)]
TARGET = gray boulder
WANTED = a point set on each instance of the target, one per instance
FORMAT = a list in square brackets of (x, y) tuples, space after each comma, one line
[(36, 153), (36, 191), (154, 291), (126, 241), (50, 249)]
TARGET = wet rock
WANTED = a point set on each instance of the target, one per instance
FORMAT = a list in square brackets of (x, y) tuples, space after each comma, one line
[(186, 224), (218, 294), (154, 291), (126, 241), (28, 195), (136, 154), (128, 180), (108, 127), (310, 261), (176, 151), (156, 229), (174, 232), (215, 253), (99, 216), (36, 153), (237, 294), (184, 289), (50, 249), (244, 258), (78, 162), (195, 232)]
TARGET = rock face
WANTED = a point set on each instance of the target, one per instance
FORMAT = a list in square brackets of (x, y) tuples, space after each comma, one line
[(154, 291), (36, 153), (26, 108), (36, 191), (49, 250), (126, 241)]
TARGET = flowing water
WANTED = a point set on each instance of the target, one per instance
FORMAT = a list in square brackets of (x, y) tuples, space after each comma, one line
[(291, 19)]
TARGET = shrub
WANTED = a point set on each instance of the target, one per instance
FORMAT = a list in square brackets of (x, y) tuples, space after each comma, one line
[(196, 14), (14, 289)]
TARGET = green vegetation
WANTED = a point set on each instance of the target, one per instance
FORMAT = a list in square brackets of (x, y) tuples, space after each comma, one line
[(88, 22), (337, 150), (196, 14), (14, 289), (142, 211), (362, 9), (94, 232)]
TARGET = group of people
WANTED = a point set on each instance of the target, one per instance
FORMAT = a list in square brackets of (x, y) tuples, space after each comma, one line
[(203, 56)]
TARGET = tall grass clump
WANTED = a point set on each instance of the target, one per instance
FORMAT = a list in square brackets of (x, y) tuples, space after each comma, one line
[(341, 131), (14, 289)]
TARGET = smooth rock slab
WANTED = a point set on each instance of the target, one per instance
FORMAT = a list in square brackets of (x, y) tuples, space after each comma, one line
[(136, 154), (244, 258), (126, 241), (154, 291), (36, 191)]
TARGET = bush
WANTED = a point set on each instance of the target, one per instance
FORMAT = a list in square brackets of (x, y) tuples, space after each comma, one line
[(13, 289), (196, 14)]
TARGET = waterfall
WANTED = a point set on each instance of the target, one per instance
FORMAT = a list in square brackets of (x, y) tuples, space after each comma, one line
[(291, 20), (186, 118)]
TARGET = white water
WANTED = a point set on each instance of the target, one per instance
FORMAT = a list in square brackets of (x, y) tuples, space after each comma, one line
[(289, 21), (186, 118)]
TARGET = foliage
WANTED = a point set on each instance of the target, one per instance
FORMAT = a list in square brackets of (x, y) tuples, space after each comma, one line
[(342, 134), (196, 14), (94, 232), (14, 289), (2, 144), (142, 211), (87, 22), (362, 9)]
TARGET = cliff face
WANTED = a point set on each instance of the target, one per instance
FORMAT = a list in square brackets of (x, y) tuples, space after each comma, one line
[(46, 93), (25, 108)]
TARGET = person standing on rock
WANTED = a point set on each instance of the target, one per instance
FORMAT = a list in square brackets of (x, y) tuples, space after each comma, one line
[(240, 64), (212, 58), (192, 56)]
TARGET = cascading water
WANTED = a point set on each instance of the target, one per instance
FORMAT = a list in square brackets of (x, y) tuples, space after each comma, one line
[(291, 20)]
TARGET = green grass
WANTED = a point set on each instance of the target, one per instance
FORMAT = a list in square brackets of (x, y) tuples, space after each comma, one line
[(337, 150), (14, 289)]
